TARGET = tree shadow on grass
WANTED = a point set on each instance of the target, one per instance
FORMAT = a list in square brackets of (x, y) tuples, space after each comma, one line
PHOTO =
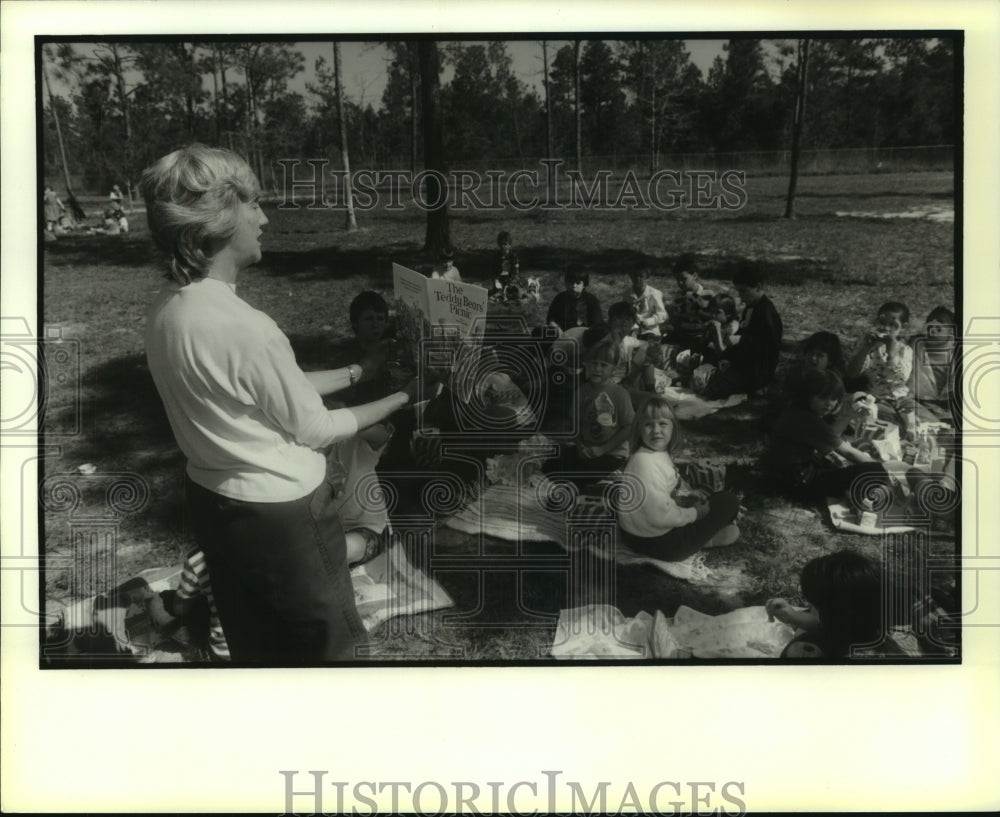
[(104, 250), (125, 429), (333, 263)]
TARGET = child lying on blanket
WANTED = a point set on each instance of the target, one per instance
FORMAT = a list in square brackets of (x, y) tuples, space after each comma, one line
[(654, 524), (843, 615)]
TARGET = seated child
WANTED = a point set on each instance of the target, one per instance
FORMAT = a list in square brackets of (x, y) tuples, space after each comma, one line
[(507, 284), (689, 312), (723, 330), (445, 268), (932, 380), (802, 441), (657, 526), (112, 224), (604, 414), (196, 588), (844, 612), (369, 351), (750, 364), (360, 506), (887, 361), (631, 368), (369, 317), (820, 352), (650, 313), (575, 306)]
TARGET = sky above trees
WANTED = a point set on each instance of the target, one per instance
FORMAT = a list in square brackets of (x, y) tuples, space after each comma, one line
[(124, 103)]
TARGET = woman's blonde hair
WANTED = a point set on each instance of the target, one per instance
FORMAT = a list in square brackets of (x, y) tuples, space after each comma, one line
[(192, 200), (655, 406)]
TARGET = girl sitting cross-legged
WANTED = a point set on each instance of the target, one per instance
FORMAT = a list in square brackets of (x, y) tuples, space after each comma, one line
[(654, 524)]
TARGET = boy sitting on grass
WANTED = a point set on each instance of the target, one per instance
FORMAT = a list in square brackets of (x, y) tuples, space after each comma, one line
[(575, 306), (650, 313), (508, 286), (604, 414)]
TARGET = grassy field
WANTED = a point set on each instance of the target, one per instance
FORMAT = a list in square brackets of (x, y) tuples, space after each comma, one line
[(825, 271)]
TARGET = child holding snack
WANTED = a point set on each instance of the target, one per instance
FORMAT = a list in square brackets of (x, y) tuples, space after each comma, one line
[(631, 365), (887, 361), (723, 330), (802, 442), (575, 306), (650, 312), (844, 611), (657, 526)]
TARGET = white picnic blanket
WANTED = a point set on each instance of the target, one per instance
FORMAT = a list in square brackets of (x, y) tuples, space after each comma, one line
[(844, 517), (688, 405), (601, 631), (514, 514)]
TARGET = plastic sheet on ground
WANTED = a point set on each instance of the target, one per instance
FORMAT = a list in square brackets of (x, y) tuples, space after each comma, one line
[(600, 631), (515, 515)]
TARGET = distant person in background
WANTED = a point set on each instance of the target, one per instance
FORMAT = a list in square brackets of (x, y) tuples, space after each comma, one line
[(53, 207)]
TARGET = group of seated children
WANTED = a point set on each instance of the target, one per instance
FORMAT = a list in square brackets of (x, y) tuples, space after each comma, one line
[(623, 429), (702, 339), (817, 448), (613, 436)]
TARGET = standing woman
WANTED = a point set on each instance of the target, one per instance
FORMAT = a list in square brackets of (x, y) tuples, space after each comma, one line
[(249, 421)]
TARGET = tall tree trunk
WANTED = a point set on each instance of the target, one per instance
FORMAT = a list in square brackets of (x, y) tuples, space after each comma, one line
[(225, 91), (351, 223), (437, 237), (652, 112), (215, 94), (548, 100), (127, 119), (576, 104), (192, 79), (801, 85), (415, 69), (59, 136)]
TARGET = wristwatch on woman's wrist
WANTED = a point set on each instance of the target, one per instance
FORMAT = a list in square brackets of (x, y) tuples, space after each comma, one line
[(354, 372)]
